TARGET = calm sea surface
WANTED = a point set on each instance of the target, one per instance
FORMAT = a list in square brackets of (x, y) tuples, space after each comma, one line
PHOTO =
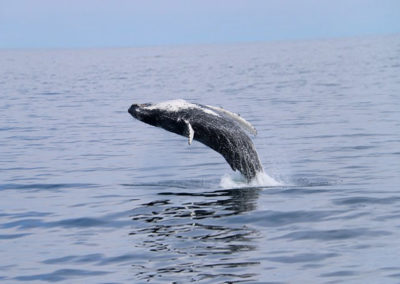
[(90, 195)]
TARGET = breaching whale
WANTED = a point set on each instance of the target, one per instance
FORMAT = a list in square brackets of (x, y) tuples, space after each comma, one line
[(219, 129)]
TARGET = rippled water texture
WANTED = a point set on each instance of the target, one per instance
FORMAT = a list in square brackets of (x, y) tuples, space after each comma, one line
[(90, 195)]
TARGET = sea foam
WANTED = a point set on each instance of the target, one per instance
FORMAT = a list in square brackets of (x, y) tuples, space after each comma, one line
[(238, 181)]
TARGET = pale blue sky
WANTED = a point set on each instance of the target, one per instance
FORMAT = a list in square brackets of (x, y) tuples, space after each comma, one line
[(114, 23)]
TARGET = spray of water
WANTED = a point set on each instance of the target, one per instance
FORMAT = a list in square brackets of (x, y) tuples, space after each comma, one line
[(237, 181)]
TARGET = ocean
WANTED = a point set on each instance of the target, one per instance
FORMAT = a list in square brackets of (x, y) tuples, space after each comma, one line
[(88, 194)]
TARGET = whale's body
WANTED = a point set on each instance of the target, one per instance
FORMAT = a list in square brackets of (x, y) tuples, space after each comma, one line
[(219, 129)]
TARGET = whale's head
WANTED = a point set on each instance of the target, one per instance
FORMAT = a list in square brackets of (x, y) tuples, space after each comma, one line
[(167, 115), (137, 110), (143, 113)]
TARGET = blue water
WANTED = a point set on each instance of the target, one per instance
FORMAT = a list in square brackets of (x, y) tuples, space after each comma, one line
[(90, 195)]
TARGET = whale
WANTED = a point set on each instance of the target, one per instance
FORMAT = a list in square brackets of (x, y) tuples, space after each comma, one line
[(223, 131)]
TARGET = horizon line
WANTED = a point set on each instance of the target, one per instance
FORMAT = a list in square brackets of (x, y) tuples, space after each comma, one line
[(200, 43)]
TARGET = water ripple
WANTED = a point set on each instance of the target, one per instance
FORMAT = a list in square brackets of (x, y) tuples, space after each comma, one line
[(40, 186), (303, 257), (269, 218), (339, 273), (12, 236), (332, 235), (360, 200), (60, 275)]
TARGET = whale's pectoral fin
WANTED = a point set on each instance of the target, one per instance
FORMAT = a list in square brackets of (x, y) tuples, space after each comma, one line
[(189, 132)]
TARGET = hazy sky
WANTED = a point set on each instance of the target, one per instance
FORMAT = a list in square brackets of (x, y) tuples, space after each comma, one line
[(100, 23)]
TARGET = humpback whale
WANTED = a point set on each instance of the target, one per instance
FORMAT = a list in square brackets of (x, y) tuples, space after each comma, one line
[(219, 129)]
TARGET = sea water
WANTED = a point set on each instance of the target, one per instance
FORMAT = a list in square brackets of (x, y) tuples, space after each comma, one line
[(90, 195)]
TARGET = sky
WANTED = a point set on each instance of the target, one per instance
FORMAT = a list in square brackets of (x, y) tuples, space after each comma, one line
[(124, 23)]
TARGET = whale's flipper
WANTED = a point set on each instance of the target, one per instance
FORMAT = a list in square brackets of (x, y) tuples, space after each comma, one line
[(219, 129), (240, 120), (189, 132)]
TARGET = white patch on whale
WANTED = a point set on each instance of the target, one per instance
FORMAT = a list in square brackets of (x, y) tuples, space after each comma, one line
[(236, 117), (177, 105)]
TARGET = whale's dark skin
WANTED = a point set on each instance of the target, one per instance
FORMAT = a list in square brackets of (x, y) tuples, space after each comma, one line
[(219, 132)]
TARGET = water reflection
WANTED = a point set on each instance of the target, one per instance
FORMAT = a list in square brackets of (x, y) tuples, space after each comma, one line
[(193, 231)]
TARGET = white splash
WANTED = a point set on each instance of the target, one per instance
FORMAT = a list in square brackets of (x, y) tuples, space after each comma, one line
[(260, 180), (177, 105)]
